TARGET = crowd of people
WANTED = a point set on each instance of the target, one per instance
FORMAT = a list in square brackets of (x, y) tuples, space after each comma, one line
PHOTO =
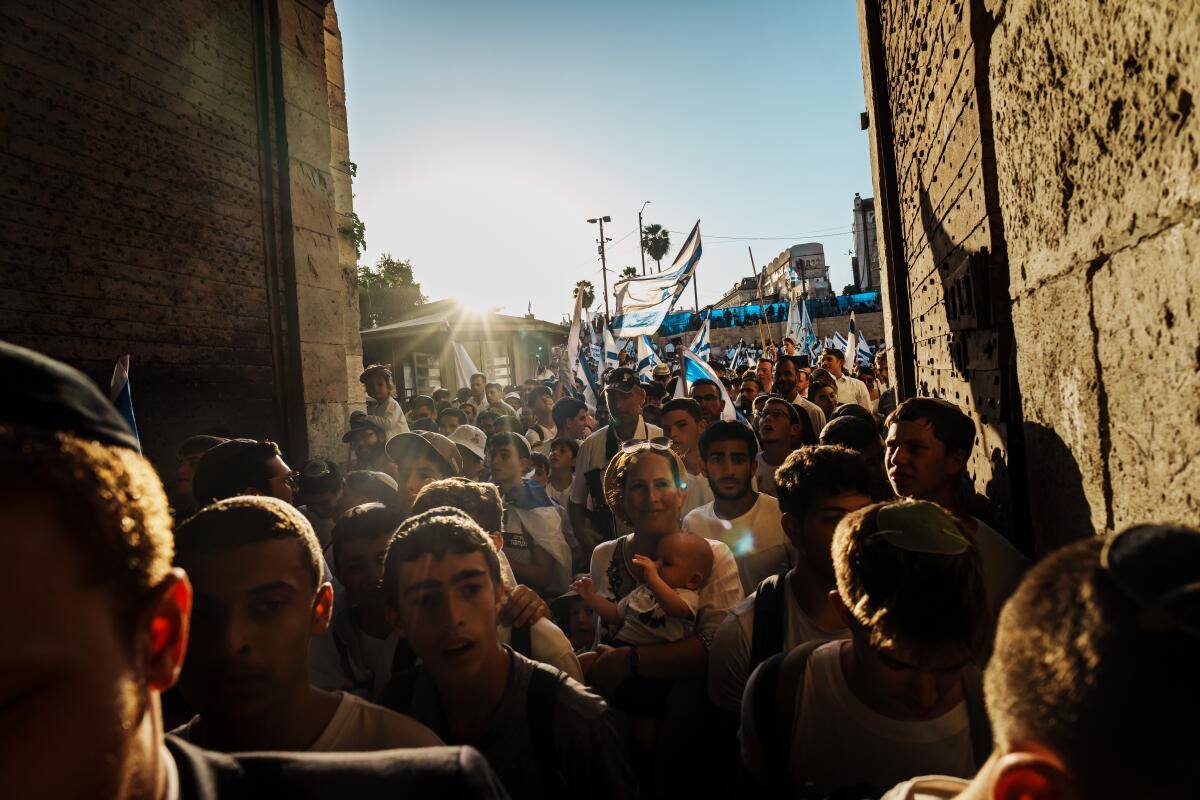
[(502, 591)]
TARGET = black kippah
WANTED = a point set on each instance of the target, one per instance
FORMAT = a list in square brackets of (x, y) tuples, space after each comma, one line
[(47, 396)]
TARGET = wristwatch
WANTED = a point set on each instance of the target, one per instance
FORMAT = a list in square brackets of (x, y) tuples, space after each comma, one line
[(632, 658)]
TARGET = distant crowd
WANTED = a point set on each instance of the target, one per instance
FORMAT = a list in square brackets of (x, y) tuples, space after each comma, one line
[(779, 582)]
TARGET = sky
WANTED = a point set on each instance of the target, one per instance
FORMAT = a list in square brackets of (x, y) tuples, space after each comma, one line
[(487, 132)]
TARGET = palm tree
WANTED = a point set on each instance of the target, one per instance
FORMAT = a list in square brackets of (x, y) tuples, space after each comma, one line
[(589, 293), (629, 272), (656, 241)]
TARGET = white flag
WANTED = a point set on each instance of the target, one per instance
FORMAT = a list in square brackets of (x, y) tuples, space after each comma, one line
[(642, 303)]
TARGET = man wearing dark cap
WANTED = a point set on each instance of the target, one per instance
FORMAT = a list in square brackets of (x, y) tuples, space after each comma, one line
[(590, 516), (366, 438), (421, 458), (104, 618), (187, 457)]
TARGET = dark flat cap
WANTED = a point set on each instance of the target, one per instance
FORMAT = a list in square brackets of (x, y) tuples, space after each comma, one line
[(47, 396)]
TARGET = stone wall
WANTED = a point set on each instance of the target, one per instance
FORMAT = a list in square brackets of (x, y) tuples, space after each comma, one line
[(1039, 173), (167, 192)]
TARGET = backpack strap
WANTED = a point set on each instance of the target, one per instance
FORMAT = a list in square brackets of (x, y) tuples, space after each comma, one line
[(544, 686), (977, 719), (775, 710), (768, 636), (521, 640)]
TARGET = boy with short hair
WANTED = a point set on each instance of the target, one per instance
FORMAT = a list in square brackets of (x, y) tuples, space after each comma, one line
[(421, 458), (494, 393), (539, 469), (902, 696), (449, 419), (562, 469), (545, 735), (255, 566), (534, 535), (683, 422), (542, 431), (377, 380), (243, 467)]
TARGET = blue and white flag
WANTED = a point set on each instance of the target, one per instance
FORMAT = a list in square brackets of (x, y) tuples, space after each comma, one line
[(691, 369), (864, 351), (612, 354), (121, 396), (643, 302), (590, 392), (838, 342), (647, 358), (700, 344)]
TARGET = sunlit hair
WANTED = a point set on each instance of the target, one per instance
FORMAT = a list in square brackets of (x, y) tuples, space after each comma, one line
[(1078, 669), (437, 532), (480, 501), (112, 506), (240, 521), (623, 462), (898, 596), (826, 471), (363, 523)]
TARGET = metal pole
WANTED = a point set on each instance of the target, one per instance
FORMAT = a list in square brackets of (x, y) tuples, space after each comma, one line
[(603, 268), (641, 242), (761, 304)]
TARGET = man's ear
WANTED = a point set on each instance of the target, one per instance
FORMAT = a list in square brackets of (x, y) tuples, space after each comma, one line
[(956, 461), (497, 541), (1032, 776), (395, 620), (322, 609), (162, 631)]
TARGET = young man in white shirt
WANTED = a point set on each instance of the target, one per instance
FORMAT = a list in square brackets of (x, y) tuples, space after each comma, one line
[(778, 430), (787, 386), (255, 566), (927, 447), (818, 487), (849, 389), (745, 520), (571, 419), (683, 423), (541, 402), (901, 696)]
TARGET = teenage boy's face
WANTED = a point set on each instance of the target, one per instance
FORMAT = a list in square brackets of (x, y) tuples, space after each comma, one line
[(414, 473), (729, 469), (812, 532), (447, 610), (256, 608), (359, 567), (447, 424), (74, 686), (918, 683), (279, 484), (917, 462), (710, 400), (682, 430), (775, 424), (561, 457), (507, 464), (493, 395), (576, 426), (832, 364)]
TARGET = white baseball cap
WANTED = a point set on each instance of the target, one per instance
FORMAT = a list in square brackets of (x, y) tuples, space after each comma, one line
[(470, 439)]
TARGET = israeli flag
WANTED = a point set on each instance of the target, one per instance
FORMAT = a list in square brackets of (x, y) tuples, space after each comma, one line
[(121, 396), (691, 369), (584, 372), (700, 344), (573, 338), (612, 354), (737, 357), (643, 302), (864, 351), (647, 358), (839, 342)]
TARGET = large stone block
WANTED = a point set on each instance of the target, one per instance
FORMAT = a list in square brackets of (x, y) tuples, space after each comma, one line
[(321, 315), (324, 372), (311, 190), (1097, 142), (308, 137), (1147, 302), (1061, 409)]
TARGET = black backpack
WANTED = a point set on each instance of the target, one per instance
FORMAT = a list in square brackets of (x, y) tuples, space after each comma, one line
[(768, 636), (774, 712)]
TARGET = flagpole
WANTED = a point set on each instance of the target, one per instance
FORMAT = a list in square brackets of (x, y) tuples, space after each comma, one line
[(761, 304)]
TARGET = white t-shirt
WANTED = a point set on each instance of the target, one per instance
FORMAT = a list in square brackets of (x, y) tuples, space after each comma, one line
[(357, 726), (852, 390), (729, 656), (722, 592), (390, 415), (764, 476), (756, 538), (698, 493), (1001, 563), (838, 741), (645, 622)]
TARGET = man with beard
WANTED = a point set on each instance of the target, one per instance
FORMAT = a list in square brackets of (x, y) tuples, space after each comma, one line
[(745, 520), (751, 388), (366, 438), (787, 386), (765, 372)]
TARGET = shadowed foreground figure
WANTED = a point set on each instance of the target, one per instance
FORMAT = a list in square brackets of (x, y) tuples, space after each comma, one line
[(96, 625)]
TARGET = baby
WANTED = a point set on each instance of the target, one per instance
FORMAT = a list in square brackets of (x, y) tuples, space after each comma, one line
[(663, 607)]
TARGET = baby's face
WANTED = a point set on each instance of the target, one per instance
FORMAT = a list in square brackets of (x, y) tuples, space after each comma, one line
[(677, 565)]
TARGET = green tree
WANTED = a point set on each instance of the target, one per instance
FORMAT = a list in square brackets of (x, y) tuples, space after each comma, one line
[(656, 241), (849, 289), (387, 291), (589, 293), (629, 272)]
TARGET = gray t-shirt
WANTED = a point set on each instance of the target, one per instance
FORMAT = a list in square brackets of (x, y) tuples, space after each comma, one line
[(590, 755)]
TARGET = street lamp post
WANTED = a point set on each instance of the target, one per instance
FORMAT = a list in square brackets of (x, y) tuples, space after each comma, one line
[(603, 263), (641, 241)]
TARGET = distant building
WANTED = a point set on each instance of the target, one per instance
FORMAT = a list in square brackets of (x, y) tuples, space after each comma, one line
[(744, 292), (804, 263), (865, 260)]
